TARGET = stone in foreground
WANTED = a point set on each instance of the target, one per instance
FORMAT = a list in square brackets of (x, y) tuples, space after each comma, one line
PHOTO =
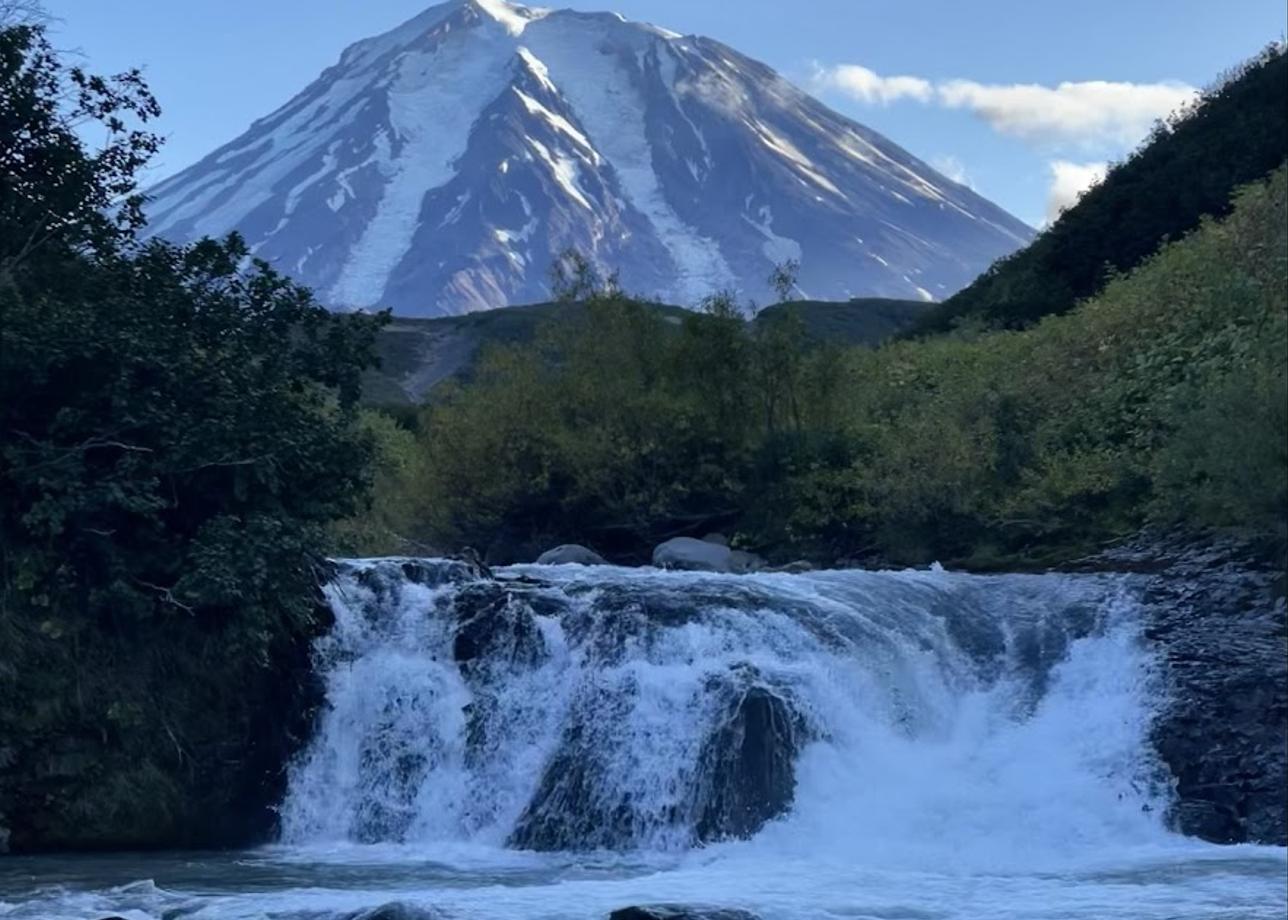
[(680, 912)]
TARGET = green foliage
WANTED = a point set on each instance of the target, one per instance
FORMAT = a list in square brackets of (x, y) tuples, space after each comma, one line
[(1087, 426), (1160, 401), (384, 525), (1188, 168), (179, 429), (616, 429), (55, 192)]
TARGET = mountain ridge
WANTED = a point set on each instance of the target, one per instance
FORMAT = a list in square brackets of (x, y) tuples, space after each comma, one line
[(441, 166)]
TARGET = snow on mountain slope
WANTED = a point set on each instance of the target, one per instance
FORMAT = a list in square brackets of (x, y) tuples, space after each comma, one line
[(439, 169)]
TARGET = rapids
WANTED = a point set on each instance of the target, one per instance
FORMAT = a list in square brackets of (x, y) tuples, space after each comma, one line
[(560, 742)]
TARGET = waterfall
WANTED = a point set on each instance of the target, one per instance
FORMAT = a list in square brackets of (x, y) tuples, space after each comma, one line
[(581, 708)]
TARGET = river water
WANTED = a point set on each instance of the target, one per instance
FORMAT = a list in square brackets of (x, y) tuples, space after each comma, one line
[(562, 742)]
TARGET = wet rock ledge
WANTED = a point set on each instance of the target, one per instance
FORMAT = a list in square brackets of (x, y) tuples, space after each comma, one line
[(1216, 615)]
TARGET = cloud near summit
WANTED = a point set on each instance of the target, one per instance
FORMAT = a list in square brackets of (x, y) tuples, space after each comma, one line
[(1090, 113)]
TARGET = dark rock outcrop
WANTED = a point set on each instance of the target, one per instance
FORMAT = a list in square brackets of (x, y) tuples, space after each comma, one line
[(748, 766), (395, 911), (744, 775), (389, 578), (573, 808), (1218, 622), (495, 621), (680, 912)]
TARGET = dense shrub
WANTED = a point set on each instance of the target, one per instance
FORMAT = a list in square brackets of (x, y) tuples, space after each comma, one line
[(178, 431)]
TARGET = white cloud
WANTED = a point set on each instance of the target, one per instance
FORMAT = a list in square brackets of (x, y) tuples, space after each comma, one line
[(868, 86), (1068, 182), (954, 169), (1092, 113), (1095, 112)]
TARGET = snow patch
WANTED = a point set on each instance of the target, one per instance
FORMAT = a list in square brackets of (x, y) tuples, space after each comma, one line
[(786, 149), (177, 200), (538, 69), (433, 97), (457, 210), (921, 291), (565, 169), (513, 17), (558, 122), (668, 70), (609, 105), (777, 249), (326, 169)]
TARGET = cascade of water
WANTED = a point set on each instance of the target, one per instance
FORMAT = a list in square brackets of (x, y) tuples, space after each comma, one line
[(572, 708)]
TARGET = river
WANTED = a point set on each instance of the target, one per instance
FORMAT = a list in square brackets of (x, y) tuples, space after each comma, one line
[(562, 742)]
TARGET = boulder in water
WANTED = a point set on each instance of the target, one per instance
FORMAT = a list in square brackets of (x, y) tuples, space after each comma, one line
[(494, 622), (679, 912), (705, 555), (690, 555), (799, 567), (718, 539), (570, 554), (743, 562), (433, 573), (395, 911), (748, 767)]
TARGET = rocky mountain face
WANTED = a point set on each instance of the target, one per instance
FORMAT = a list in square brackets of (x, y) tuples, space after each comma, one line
[(440, 168)]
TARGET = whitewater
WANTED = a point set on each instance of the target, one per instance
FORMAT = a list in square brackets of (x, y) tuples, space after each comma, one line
[(565, 741)]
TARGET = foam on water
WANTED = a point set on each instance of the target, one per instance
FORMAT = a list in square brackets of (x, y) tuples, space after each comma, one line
[(964, 747), (926, 739)]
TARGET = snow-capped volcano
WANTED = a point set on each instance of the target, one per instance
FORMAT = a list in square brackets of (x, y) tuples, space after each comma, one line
[(440, 167)]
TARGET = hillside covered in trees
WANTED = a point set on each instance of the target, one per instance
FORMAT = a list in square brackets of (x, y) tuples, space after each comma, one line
[(1236, 132), (1160, 401)]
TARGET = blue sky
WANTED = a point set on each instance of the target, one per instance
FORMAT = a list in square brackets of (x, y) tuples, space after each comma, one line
[(1023, 99)]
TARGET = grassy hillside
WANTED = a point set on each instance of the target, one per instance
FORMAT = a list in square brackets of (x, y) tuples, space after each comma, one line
[(1189, 168)]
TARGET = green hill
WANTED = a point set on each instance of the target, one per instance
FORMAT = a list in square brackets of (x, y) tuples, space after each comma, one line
[(1190, 167)]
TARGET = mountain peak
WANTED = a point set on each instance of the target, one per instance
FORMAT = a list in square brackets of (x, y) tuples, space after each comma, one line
[(513, 17), (441, 167)]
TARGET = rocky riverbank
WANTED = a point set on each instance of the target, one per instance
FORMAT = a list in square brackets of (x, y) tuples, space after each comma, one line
[(1217, 619)]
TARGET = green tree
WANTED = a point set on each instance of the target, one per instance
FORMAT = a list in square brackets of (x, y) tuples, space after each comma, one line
[(179, 427)]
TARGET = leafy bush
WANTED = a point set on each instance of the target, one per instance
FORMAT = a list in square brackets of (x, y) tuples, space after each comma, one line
[(179, 429)]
